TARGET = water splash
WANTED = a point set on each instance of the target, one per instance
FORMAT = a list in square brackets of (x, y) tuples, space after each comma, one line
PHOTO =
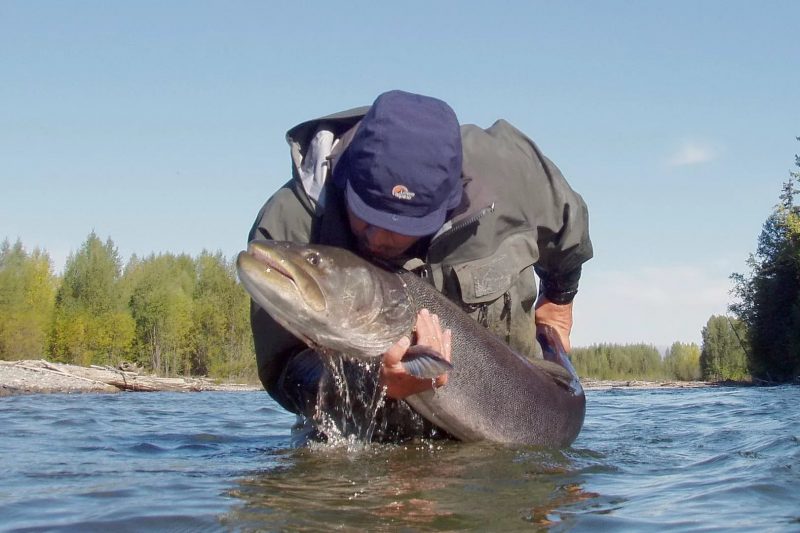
[(349, 404)]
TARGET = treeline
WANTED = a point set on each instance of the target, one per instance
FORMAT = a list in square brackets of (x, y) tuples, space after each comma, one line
[(638, 361), (182, 315), (762, 342), (721, 357), (171, 314), (769, 294)]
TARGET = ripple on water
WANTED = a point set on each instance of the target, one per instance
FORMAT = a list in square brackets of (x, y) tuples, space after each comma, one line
[(147, 448), (691, 459)]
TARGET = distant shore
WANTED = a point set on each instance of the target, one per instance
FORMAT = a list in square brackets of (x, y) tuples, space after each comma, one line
[(600, 384), (43, 377)]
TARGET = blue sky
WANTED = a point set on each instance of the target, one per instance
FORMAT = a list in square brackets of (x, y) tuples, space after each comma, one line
[(161, 124)]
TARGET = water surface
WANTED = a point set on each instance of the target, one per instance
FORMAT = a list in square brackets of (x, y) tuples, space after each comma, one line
[(713, 459)]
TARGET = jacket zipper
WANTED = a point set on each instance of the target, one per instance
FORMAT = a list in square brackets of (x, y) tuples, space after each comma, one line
[(462, 224)]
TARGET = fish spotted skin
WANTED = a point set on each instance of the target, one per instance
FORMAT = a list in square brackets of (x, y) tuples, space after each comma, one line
[(340, 303)]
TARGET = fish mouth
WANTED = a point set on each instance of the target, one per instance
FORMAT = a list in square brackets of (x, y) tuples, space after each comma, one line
[(272, 269)]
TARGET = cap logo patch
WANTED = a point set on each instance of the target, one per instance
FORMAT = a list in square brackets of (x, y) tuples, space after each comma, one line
[(402, 192)]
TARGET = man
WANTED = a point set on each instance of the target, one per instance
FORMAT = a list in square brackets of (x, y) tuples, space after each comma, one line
[(475, 211)]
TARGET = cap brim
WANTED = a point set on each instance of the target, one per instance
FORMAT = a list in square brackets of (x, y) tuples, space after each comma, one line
[(403, 225)]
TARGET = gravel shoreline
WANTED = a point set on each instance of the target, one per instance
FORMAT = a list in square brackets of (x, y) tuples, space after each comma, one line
[(598, 384), (43, 377)]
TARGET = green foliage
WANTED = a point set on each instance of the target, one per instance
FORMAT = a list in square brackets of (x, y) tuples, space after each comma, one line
[(27, 296), (614, 361), (91, 324), (637, 361), (90, 277), (161, 305), (769, 295), (723, 356), (170, 313), (222, 344), (682, 361), (191, 316)]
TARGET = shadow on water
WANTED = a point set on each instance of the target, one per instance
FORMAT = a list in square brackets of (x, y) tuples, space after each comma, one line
[(425, 485), (420, 486), (646, 461), (649, 460)]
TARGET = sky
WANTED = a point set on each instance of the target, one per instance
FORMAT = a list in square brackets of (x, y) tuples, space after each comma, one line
[(161, 124)]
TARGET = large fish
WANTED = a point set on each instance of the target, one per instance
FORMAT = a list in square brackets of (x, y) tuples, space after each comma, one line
[(337, 302)]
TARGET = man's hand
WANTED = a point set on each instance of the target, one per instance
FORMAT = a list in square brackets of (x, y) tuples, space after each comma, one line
[(399, 383), (557, 316)]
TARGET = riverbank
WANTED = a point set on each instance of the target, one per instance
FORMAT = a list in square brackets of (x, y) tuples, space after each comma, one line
[(42, 377), (599, 384)]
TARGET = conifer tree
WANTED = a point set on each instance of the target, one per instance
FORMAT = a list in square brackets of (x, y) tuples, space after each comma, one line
[(769, 296)]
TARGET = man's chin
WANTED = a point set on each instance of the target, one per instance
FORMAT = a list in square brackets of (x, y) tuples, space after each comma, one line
[(371, 255)]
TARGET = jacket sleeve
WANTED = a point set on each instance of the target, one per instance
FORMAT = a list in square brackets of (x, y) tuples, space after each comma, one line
[(536, 217), (281, 218), (562, 236)]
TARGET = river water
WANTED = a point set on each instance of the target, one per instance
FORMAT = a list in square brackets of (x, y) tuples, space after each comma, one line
[(710, 459)]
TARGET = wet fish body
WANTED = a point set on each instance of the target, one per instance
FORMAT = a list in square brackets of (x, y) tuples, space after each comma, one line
[(336, 301)]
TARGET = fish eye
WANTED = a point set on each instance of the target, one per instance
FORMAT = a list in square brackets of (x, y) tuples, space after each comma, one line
[(313, 258)]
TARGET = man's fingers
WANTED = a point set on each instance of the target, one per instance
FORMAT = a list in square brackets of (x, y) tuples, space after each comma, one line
[(447, 344), (398, 382), (429, 330), (396, 351), (425, 324)]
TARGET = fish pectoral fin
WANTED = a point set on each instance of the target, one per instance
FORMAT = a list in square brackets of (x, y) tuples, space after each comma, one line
[(558, 373), (423, 362)]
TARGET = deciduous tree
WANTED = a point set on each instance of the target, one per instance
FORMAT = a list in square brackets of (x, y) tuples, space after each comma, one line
[(161, 305), (91, 323), (27, 296), (723, 356), (682, 361), (221, 338)]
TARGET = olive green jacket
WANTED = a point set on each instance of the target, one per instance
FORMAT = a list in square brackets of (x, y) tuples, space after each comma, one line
[(518, 215)]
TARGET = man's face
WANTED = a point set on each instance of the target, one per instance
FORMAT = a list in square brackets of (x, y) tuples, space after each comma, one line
[(378, 242)]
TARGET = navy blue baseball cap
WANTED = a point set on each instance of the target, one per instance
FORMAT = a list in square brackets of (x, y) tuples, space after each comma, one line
[(402, 169)]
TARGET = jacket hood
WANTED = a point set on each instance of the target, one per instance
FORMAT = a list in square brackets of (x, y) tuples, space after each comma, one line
[(317, 144)]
